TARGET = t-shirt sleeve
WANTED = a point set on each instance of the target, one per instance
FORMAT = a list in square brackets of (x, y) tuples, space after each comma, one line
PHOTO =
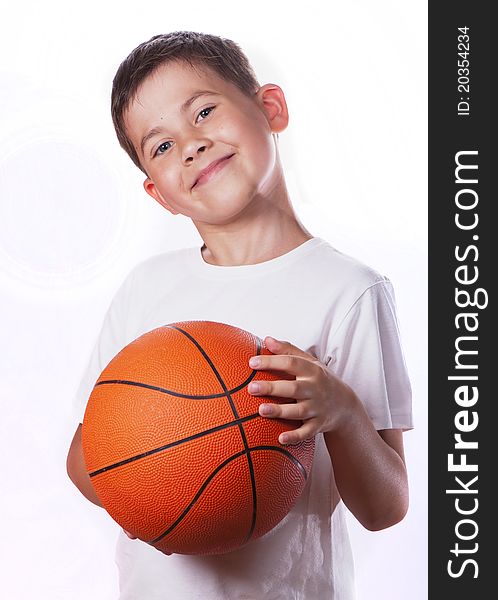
[(366, 353), (114, 335)]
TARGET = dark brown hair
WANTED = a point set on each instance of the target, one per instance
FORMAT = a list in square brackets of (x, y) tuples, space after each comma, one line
[(221, 55)]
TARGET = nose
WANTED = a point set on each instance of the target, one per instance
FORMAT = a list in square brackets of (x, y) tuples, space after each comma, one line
[(193, 148)]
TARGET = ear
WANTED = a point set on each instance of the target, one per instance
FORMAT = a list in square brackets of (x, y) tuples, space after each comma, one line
[(150, 188), (272, 101)]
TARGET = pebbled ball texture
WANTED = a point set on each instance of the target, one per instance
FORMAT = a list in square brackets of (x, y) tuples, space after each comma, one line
[(174, 445)]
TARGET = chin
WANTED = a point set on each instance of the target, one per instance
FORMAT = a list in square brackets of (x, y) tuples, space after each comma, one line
[(226, 208)]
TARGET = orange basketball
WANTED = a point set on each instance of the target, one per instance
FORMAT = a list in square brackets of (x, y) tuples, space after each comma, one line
[(174, 445)]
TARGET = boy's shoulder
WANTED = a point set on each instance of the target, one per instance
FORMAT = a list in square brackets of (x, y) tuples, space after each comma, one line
[(172, 260), (154, 273), (338, 268)]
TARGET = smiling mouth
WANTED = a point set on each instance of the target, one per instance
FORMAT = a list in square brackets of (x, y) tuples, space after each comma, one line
[(212, 171)]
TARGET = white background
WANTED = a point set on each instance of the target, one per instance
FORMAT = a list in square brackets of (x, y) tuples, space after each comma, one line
[(74, 219)]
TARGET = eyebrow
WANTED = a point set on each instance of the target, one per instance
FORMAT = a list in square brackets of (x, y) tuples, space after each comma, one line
[(183, 108), (196, 95)]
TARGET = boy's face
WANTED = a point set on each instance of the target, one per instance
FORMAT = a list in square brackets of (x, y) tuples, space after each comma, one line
[(207, 148)]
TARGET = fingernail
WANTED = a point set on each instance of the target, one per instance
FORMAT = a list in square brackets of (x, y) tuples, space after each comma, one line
[(265, 409), (283, 439), (254, 387), (254, 361)]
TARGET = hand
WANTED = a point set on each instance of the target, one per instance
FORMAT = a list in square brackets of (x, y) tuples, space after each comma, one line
[(321, 399), (134, 537), (130, 535)]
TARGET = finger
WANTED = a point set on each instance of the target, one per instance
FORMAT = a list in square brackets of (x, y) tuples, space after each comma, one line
[(307, 431), (295, 365), (130, 535), (281, 388), (283, 347), (300, 411)]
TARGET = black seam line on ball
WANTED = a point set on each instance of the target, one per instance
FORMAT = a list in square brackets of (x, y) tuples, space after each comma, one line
[(286, 453), (172, 444), (227, 392), (176, 394), (234, 410)]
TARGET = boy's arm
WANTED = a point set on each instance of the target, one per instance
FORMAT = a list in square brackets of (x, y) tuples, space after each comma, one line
[(369, 467), (76, 469), (369, 470)]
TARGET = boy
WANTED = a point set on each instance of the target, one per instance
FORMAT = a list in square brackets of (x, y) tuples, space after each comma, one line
[(190, 113)]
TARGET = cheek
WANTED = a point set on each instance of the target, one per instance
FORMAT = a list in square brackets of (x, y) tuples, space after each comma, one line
[(260, 144), (172, 184), (257, 146), (263, 159), (265, 151)]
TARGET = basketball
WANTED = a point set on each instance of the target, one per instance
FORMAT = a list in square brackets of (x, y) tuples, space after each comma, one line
[(176, 449)]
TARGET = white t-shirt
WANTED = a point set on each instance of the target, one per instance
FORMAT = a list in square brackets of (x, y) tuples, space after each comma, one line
[(320, 300)]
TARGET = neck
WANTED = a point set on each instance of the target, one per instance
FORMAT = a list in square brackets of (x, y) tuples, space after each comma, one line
[(267, 229)]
